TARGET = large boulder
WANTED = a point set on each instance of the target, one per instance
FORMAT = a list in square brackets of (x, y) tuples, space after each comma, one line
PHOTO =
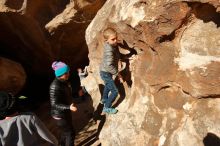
[(171, 86)]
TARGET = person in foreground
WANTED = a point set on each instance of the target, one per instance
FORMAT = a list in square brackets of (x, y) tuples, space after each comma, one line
[(21, 129)]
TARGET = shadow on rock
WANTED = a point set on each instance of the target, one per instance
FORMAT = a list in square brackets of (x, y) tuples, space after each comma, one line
[(211, 140)]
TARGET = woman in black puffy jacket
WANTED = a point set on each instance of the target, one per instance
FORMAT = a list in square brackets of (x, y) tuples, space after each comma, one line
[(61, 103)]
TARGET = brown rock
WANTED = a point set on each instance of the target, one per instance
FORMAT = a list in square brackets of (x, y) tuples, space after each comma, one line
[(12, 75), (39, 32), (67, 31), (177, 62)]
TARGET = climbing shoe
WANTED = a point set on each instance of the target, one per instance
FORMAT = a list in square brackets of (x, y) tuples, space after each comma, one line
[(110, 110)]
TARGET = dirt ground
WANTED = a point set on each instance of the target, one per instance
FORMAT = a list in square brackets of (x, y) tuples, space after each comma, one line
[(86, 121)]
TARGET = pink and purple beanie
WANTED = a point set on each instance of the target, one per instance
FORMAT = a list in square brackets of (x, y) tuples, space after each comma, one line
[(60, 68)]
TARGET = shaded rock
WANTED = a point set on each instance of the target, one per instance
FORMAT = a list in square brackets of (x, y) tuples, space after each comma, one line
[(67, 31), (35, 33), (26, 45), (13, 76), (44, 31)]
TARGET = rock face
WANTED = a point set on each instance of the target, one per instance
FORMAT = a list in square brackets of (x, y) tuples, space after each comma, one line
[(34, 33), (68, 31), (39, 32), (171, 89), (12, 75)]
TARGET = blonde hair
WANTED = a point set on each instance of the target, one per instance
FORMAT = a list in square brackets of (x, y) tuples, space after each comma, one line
[(108, 32)]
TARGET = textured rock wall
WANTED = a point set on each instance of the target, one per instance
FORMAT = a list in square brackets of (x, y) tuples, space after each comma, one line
[(170, 95)]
